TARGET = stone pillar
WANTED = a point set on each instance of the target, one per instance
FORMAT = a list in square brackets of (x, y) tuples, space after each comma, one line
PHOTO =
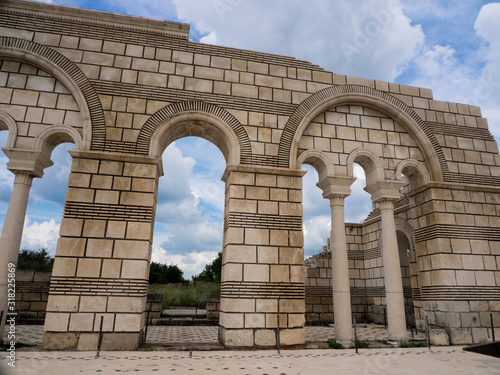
[(263, 258), (103, 253), (26, 165), (396, 320), (12, 232), (336, 189)]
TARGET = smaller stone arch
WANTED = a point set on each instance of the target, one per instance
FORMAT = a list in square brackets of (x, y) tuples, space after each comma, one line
[(51, 137), (198, 119), (9, 124), (71, 76), (416, 172), (319, 160), (371, 163)]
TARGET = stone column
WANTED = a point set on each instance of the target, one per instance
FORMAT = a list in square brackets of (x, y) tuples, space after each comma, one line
[(392, 272), (336, 189), (12, 232)]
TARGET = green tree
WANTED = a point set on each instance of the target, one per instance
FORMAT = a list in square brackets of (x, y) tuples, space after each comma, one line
[(37, 260), (212, 271), (164, 274)]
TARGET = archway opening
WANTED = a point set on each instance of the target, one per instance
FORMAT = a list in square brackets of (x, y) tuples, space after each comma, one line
[(188, 234), (404, 246)]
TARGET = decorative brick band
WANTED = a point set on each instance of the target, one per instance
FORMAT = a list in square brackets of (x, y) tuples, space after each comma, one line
[(461, 131), (108, 212), (464, 178), (367, 292), (246, 289), (175, 95), (98, 31), (263, 221), (74, 72), (457, 231), (330, 92), (460, 293), (98, 287), (155, 121)]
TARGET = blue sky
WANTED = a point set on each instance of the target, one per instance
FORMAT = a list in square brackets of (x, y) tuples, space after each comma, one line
[(452, 47)]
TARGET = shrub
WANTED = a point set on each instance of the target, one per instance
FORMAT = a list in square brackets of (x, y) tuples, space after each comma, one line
[(334, 344)]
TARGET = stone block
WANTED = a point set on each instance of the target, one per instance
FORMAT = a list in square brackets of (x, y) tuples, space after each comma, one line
[(71, 227), (94, 228), (137, 199), (256, 272), (479, 335), (111, 268), (292, 306), (255, 320), (99, 248), (266, 305), (278, 238), (88, 267), (237, 338), (265, 337), (116, 229), (73, 247), (292, 336), (439, 337), (232, 320), (240, 305), (267, 254), (135, 269), (232, 272), (63, 303), (87, 341), (64, 266), (139, 231), (93, 303), (280, 273), (126, 304), (56, 322), (255, 236), (59, 341), (240, 254), (121, 341), (128, 322), (131, 249), (80, 322)]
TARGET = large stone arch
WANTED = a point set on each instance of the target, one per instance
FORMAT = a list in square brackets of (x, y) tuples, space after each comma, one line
[(379, 100), (94, 128), (220, 127), (53, 136)]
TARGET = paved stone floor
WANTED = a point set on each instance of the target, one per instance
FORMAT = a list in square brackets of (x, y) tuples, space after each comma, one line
[(441, 360), (208, 334), (448, 360)]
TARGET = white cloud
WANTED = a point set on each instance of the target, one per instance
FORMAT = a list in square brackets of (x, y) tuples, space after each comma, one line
[(37, 235), (373, 40)]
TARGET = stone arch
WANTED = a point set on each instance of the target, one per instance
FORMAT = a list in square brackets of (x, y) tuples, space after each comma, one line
[(319, 160), (415, 171), (371, 163), (201, 119), (8, 123), (379, 100), (94, 127), (50, 137)]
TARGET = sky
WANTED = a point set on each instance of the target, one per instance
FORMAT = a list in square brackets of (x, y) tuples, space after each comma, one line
[(452, 47)]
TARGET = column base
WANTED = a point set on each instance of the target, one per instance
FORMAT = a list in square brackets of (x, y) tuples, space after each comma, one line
[(87, 341)]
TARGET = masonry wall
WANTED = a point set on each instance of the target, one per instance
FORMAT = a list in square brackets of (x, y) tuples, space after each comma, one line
[(32, 291), (123, 88)]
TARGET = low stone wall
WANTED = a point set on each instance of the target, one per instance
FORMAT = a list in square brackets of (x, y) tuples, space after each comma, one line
[(154, 305), (213, 306), (32, 291)]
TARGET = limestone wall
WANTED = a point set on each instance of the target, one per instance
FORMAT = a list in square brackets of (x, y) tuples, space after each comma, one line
[(32, 292), (122, 88)]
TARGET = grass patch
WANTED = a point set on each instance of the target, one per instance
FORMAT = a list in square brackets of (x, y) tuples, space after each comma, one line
[(412, 344), (334, 344), (382, 342), (176, 295)]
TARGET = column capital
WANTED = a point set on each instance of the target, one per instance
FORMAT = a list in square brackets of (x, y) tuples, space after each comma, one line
[(28, 161), (338, 186), (385, 190)]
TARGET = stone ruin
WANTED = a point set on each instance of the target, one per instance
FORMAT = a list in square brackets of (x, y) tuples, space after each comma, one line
[(122, 88)]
